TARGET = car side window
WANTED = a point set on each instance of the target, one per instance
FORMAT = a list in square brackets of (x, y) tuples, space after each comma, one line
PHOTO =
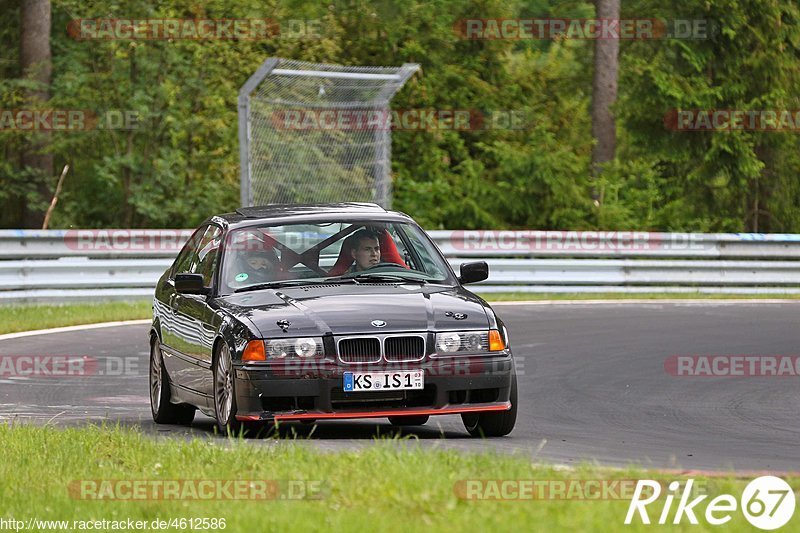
[(187, 255), (207, 253)]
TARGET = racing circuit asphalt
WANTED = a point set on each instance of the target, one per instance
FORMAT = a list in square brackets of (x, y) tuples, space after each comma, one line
[(592, 387)]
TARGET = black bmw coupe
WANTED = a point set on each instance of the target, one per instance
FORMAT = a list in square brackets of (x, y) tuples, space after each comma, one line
[(317, 312)]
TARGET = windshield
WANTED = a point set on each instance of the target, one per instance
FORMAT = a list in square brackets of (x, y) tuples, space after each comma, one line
[(324, 252)]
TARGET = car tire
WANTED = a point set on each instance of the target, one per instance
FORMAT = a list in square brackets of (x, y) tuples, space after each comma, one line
[(161, 406), (419, 420), (225, 391), (493, 424)]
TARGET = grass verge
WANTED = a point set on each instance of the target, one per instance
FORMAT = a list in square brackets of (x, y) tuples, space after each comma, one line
[(48, 474), (28, 317)]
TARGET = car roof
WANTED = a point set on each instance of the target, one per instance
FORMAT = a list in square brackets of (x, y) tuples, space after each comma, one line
[(293, 213)]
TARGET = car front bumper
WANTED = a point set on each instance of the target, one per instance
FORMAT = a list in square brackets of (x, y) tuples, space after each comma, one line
[(313, 390)]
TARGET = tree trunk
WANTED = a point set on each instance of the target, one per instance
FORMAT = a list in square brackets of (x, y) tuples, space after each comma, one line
[(35, 64), (604, 93)]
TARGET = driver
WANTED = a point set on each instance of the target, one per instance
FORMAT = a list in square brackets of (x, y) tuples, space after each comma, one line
[(366, 250)]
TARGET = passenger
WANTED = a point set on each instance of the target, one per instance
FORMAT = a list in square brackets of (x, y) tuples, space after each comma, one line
[(255, 266)]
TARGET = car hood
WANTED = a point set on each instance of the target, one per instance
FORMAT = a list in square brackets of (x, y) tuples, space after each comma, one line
[(351, 309)]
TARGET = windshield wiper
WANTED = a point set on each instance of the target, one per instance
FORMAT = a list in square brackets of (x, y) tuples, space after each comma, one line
[(287, 283)]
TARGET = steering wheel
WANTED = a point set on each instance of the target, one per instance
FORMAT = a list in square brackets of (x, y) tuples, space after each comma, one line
[(386, 265)]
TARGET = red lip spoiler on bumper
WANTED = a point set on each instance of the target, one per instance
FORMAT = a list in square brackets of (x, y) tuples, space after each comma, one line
[(416, 411)]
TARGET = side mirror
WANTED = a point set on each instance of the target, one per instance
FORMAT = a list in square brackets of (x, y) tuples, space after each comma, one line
[(190, 284), (473, 272)]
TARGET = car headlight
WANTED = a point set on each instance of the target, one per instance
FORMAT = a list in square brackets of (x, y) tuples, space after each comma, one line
[(469, 342), (299, 347)]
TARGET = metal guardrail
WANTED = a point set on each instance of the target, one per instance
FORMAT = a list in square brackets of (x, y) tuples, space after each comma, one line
[(95, 244), (70, 265)]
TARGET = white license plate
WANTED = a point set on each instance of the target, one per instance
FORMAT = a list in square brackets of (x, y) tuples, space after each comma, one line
[(377, 381)]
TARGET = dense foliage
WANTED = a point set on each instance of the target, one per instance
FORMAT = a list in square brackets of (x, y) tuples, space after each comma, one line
[(181, 162)]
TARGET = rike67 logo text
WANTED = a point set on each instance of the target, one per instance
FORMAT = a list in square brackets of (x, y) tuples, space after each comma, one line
[(767, 502)]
